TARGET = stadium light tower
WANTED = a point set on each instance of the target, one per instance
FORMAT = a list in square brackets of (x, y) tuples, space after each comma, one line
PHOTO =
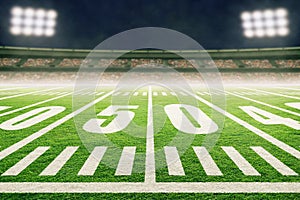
[(265, 23), (32, 22)]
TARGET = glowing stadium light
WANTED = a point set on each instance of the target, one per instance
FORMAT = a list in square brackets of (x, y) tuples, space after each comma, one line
[(33, 22), (265, 23)]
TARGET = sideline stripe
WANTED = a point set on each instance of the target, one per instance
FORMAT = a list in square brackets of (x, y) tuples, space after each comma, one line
[(150, 159), (173, 187), (91, 164), (53, 168), (14, 88), (23, 94), (35, 104), (265, 104), (173, 162), (285, 147), (274, 162), (126, 161), (13, 148), (208, 164), (25, 162), (240, 161), (276, 94)]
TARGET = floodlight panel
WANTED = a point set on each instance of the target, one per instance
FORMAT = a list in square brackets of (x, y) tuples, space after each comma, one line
[(33, 22)]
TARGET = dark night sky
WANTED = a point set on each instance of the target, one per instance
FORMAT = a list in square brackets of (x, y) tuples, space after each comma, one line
[(215, 24)]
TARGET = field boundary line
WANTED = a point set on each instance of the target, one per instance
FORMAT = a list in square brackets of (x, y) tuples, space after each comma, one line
[(273, 93), (133, 187), (13, 148), (27, 93), (285, 147)]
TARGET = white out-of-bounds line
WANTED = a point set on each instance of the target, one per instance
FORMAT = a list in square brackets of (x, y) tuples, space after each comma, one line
[(25, 162), (296, 89), (91, 164), (274, 162), (53, 168), (13, 88), (126, 162), (168, 187), (150, 151), (23, 94), (285, 147), (240, 161), (173, 161), (13, 148), (208, 164), (32, 105), (265, 104), (273, 93)]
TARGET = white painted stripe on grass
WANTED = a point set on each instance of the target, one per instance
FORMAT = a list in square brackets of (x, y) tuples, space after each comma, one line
[(207, 162), (116, 94), (167, 187), (27, 93), (240, 161), (164, 93), (13, 148), (206, 93), (99, 93), (126, 162), (173, 162), (296, 89), (13, 88), (173, 93), (150, 155), (200, 93), (25, 162), (274, 162), (53, 168), (135, 93), (126, 93), (91, 164), (32, 105), (273, 93), (265, 104), (155, 93), (144, 93), (294, 152)]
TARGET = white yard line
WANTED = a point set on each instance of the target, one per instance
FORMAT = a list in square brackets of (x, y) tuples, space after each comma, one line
[(265, 104), (13, 148), (91, 164), (35, 104), (126, 162), (150, 151), (53, 168), (25, 162), (173, 187), (173, 161), (240, 161), (207, 162), (27, 93), (274, 162), (273, 93), (285, 147)]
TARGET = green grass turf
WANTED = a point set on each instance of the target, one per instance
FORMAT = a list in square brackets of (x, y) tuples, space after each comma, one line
[(232, 134)]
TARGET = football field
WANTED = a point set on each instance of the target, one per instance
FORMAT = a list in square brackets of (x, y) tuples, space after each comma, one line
[(151, 140)]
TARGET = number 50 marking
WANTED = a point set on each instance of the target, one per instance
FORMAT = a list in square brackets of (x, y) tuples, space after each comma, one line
[(179, 120)]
